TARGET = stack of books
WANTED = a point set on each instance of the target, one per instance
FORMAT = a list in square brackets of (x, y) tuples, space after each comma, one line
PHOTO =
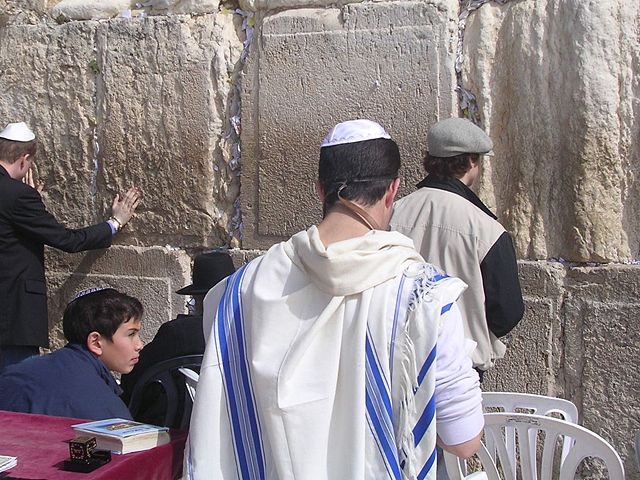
[(123, 436), (7, 463)]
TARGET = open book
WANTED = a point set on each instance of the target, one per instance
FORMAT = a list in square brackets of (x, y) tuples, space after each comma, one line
[(7, 463), (123, 436)]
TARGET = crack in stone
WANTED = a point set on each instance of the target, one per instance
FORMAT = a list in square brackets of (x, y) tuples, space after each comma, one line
[(466, 99), (235, 120)]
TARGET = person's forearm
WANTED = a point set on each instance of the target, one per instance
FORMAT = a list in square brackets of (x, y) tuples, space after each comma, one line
[(462, 450)]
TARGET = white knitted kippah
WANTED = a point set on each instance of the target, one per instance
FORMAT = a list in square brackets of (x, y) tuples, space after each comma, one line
[(354, 131), (17, 132)]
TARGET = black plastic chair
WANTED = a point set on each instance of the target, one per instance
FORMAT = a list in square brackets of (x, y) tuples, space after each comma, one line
[(161, 382)]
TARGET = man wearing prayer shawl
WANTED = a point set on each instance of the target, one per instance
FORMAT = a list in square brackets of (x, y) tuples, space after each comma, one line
[(339, 354)]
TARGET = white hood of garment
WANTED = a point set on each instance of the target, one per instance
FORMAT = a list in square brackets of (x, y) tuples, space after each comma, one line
[(351, 266)]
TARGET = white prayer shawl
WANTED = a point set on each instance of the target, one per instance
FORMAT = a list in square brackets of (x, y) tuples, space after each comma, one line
[(320, 364)]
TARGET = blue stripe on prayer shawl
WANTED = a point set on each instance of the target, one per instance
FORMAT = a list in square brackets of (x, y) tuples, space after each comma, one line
[(394, 328), (237, 382), (427, 466), (378, 403), (446, 308), (427, 365), (428, 416)]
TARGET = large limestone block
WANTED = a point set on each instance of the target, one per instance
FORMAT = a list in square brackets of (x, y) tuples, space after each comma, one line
[(164, 89), (97, 9), (532, 363), (90, 9), (254, 5), (47, 81), (556, 88), (152, 275), (602, 351), (309, 69)]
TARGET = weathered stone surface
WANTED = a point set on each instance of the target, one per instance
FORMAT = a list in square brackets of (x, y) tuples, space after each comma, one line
[(47, 81), (20, 12), (150, 274), (253, 5), (240, 257), (534, 348), (83, 100), (161, 7), (556, 88), (532, 361), (391, 62), (542, 280), (90, 9), (602, 351), (96, 9), (163, 93)]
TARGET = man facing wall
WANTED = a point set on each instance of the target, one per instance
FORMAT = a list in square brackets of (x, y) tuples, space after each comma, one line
[(454, 230), (25, 228)]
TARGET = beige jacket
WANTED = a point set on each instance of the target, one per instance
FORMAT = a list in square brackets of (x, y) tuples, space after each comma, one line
[(456, 235)]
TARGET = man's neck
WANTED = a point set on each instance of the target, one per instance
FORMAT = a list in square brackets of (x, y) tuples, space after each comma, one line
[(10, 168), (467, 179), (343, 224)]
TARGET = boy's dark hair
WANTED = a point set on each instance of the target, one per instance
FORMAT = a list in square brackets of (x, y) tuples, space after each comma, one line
[(102, 311), (442, 168), (365, 168), (10, 151)]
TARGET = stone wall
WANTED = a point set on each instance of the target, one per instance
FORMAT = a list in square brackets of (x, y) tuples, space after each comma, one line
[(178, 95)]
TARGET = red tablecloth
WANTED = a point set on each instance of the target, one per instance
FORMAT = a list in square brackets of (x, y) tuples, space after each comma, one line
[(40, 443)]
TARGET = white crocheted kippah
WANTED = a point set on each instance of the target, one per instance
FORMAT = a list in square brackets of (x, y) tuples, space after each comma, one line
[(354, 131)]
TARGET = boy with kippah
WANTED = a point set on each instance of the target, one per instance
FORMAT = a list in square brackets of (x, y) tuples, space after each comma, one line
[(102, 327)]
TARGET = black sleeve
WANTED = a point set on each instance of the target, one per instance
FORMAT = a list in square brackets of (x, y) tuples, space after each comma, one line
[(32, 219), (503, 297)]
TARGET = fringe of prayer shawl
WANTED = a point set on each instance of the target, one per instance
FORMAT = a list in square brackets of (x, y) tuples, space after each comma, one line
[(409, 377)]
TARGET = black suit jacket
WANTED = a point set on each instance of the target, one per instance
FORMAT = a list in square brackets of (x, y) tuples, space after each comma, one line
[(25, 228), (181, 336)]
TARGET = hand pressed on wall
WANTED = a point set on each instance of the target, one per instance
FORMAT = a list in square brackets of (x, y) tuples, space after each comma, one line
[(123, 210)]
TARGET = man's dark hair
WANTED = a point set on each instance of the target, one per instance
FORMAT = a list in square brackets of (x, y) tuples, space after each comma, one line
[(366, 168), (442, 168), (10, 151), (102, 311)]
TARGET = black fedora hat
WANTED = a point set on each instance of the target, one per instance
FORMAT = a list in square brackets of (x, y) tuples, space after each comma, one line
[(208, 270)]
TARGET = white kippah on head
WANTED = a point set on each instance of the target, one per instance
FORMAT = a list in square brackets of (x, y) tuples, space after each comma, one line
[(17, 132), (354, 131)]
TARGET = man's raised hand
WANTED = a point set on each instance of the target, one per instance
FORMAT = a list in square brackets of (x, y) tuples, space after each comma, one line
[(123, 209)]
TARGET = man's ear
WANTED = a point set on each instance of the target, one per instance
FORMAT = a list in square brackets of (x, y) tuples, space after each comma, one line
[(392, 191), (320, 191), (23, 159), (94, 343)]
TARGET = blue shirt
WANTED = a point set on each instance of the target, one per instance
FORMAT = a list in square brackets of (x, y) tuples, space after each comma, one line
[(70, 382)]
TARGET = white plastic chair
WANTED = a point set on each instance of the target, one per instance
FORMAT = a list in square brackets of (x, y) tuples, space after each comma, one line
[(510, 402), (191, 381), (584, 444), (538, 405)]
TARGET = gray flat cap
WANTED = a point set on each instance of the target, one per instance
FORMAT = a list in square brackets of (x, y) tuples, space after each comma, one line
[(455, 136)]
